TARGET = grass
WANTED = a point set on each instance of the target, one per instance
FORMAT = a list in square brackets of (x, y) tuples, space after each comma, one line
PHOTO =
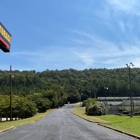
[(124, 123), (7, 124), (81, 112), (78, 105)]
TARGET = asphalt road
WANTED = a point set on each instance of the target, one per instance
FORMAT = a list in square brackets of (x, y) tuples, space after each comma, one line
[(61, 124)]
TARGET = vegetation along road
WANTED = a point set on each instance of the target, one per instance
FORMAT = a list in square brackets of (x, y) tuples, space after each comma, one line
[(61, 124)]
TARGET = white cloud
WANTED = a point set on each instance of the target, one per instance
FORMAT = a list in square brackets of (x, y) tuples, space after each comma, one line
[(54, 57), (119, 13), (85, 55), (25, 53), (127, 6), (89, 50), (121, 25), (103, 52)]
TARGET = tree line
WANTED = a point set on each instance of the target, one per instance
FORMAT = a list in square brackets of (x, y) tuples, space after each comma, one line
[(76, 83), (53, 88)]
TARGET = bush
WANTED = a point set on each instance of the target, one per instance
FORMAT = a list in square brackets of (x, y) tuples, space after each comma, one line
[(23, 108), (84, 103), (137, 113), (94, 108), (126, 112), (89, 101), (42, 104)]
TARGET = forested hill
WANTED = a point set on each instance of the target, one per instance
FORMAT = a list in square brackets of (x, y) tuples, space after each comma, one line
[(76, 84)]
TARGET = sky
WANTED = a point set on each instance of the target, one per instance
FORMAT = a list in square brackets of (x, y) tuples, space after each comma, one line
[(77, 34)]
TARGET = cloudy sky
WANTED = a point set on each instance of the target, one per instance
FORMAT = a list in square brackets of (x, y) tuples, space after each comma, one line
[(78, 34)]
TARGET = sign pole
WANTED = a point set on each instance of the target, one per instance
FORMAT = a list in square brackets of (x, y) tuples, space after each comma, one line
[(10, 93)]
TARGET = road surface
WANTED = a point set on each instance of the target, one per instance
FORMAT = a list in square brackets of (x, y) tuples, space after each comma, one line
[(61, 124)]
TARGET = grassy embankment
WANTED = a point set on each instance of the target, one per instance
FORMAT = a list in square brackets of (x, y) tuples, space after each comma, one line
[(124, 123), (4, 125)]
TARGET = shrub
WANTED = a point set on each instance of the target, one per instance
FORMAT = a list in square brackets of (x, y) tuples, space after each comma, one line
[(84, 103), (126, 112), (137, 113), (94, 108), (89, 101)]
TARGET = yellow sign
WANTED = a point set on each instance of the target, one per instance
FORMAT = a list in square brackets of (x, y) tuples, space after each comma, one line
[(5, 34)]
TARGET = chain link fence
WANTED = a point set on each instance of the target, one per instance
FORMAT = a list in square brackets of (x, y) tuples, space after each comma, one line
[(121, 105)]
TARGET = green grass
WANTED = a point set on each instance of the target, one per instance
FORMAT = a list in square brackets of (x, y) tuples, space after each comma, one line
[(4, 125), (81, 112), (78, 105), (124, 123)]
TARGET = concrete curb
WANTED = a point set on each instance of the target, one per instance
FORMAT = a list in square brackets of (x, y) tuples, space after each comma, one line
[(120, 131), (8, 129)]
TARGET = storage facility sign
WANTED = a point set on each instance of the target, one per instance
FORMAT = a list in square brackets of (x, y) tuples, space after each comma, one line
[(5, 38)]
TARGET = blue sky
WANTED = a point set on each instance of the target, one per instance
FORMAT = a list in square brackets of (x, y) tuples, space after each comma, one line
[(78, 34)]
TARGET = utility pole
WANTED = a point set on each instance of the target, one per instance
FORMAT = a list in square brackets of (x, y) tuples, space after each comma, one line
[(130, 90), (106, 104), (10, 93), (106, 88), (131, 97), (95, 91)]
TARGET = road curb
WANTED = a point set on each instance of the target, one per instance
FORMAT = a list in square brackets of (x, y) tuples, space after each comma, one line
[(7, 129), (120, 131), (126, 133)]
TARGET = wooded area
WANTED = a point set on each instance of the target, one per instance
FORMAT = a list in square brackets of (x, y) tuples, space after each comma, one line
[(53, 88), (83, 83)]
